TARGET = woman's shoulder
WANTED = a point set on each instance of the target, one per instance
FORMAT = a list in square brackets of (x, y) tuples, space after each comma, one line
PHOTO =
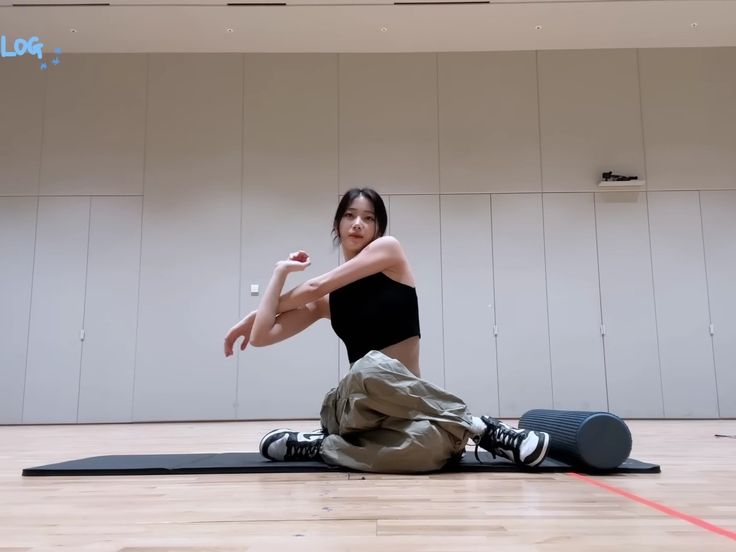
[(399, 270), (387, 243)]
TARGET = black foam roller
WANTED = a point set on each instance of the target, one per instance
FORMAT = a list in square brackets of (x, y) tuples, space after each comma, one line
[(597, 440)]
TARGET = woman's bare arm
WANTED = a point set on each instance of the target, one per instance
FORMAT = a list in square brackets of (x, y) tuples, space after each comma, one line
[(272, 325), (379, 255)]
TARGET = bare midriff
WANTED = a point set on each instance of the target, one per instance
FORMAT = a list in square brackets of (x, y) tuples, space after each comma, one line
[(407, 353)]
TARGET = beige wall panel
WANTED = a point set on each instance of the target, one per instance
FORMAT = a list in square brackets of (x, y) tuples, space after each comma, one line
[(21, 121), (689, 387), (689, 101), (57, 311), (388, 122), (110, 310), (17, 240), (94, 126), (590, 117), (522, 319), (573, 302), (718, 210), (467, 301), (633, 377), (488, 122), (191, 238), (289, 199)]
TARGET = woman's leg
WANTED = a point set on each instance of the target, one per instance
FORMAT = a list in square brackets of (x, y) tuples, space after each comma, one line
[(379, 387), (399, 446), (381, 417)]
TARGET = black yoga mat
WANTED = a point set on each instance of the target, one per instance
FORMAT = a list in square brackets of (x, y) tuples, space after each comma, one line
[(253, 462)]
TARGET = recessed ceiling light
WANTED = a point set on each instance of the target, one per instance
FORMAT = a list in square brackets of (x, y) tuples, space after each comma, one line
[(694, 25), (72, 30), (538, 27), (384, 29), (229, 30)]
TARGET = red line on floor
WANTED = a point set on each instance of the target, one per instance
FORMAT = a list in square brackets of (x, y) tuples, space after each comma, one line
[(657, 506)]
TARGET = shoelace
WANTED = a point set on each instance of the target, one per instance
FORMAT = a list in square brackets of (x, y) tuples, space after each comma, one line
[(500, 436), (476, 451)]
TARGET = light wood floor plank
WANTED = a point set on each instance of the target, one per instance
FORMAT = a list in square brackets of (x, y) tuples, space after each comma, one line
[(355, 512)]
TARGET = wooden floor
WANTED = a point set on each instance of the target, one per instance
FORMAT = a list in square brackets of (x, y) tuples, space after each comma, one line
[(326, 512)]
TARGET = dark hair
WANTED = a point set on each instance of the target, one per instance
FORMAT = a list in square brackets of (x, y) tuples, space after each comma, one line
[(378, 206)]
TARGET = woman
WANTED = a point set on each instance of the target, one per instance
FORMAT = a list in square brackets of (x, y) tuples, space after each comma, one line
[(382, 417)]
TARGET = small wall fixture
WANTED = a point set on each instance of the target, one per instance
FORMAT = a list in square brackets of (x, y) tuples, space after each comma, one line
[(610, 180)]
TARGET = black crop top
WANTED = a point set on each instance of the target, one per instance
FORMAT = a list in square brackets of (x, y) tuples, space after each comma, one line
[(373, 313)]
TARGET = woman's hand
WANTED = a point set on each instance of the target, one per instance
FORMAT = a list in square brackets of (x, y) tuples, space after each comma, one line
[(296, 262), (241, 329)]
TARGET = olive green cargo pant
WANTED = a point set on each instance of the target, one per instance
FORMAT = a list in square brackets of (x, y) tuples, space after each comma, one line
[(382, 418)]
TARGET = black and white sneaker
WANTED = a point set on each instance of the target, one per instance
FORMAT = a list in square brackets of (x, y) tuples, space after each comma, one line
[(521, 446), (284, 445)]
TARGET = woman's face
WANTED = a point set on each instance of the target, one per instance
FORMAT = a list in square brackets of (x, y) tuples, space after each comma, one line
[(358, 226)]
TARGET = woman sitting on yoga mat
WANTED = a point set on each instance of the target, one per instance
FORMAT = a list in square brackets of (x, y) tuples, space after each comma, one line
[(382, 417)]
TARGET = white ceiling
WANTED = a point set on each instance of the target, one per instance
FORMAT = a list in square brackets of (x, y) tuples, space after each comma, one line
[(356, 26)]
